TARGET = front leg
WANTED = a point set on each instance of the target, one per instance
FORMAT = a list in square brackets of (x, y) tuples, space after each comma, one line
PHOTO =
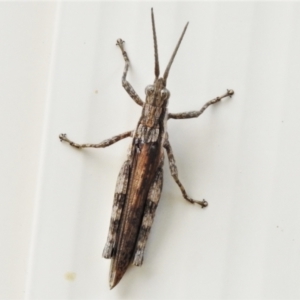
[(103, 144), (174, 173), (127, 86), (197, 113)]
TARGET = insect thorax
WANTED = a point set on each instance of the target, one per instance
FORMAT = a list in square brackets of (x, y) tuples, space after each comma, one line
[(150, 124), (152, 121)]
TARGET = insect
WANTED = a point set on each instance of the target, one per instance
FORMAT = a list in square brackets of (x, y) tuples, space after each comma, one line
[(140, 180)]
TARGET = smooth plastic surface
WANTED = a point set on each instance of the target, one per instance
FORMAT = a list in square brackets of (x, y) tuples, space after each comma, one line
[(26, 42)]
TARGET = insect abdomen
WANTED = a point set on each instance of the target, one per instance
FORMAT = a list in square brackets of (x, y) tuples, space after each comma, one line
[(145, 164)]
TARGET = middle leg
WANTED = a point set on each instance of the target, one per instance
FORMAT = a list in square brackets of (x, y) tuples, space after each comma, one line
[(105, 143), (197, 113)]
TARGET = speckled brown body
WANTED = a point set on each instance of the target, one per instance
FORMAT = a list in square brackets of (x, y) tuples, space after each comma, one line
[(145, 157), (140, 179), (144, 168)]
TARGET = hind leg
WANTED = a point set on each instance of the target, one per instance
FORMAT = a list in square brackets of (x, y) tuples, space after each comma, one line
[(118, 205), (149, 213)]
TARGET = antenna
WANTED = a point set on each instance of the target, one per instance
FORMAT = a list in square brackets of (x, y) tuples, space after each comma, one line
[(156, 68), (174, 54)]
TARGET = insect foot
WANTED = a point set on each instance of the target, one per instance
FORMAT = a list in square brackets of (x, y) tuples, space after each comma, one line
[(203, 203), (230, 93), (120, 43), (63, 137)]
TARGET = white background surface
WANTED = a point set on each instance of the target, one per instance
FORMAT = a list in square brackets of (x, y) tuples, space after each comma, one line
[(61, 72)]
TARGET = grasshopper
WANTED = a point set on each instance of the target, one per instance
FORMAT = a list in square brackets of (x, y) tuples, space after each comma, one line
[(140, 180)]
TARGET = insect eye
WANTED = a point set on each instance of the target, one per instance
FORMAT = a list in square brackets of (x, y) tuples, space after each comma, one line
[(165, 94), (149, 89)]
